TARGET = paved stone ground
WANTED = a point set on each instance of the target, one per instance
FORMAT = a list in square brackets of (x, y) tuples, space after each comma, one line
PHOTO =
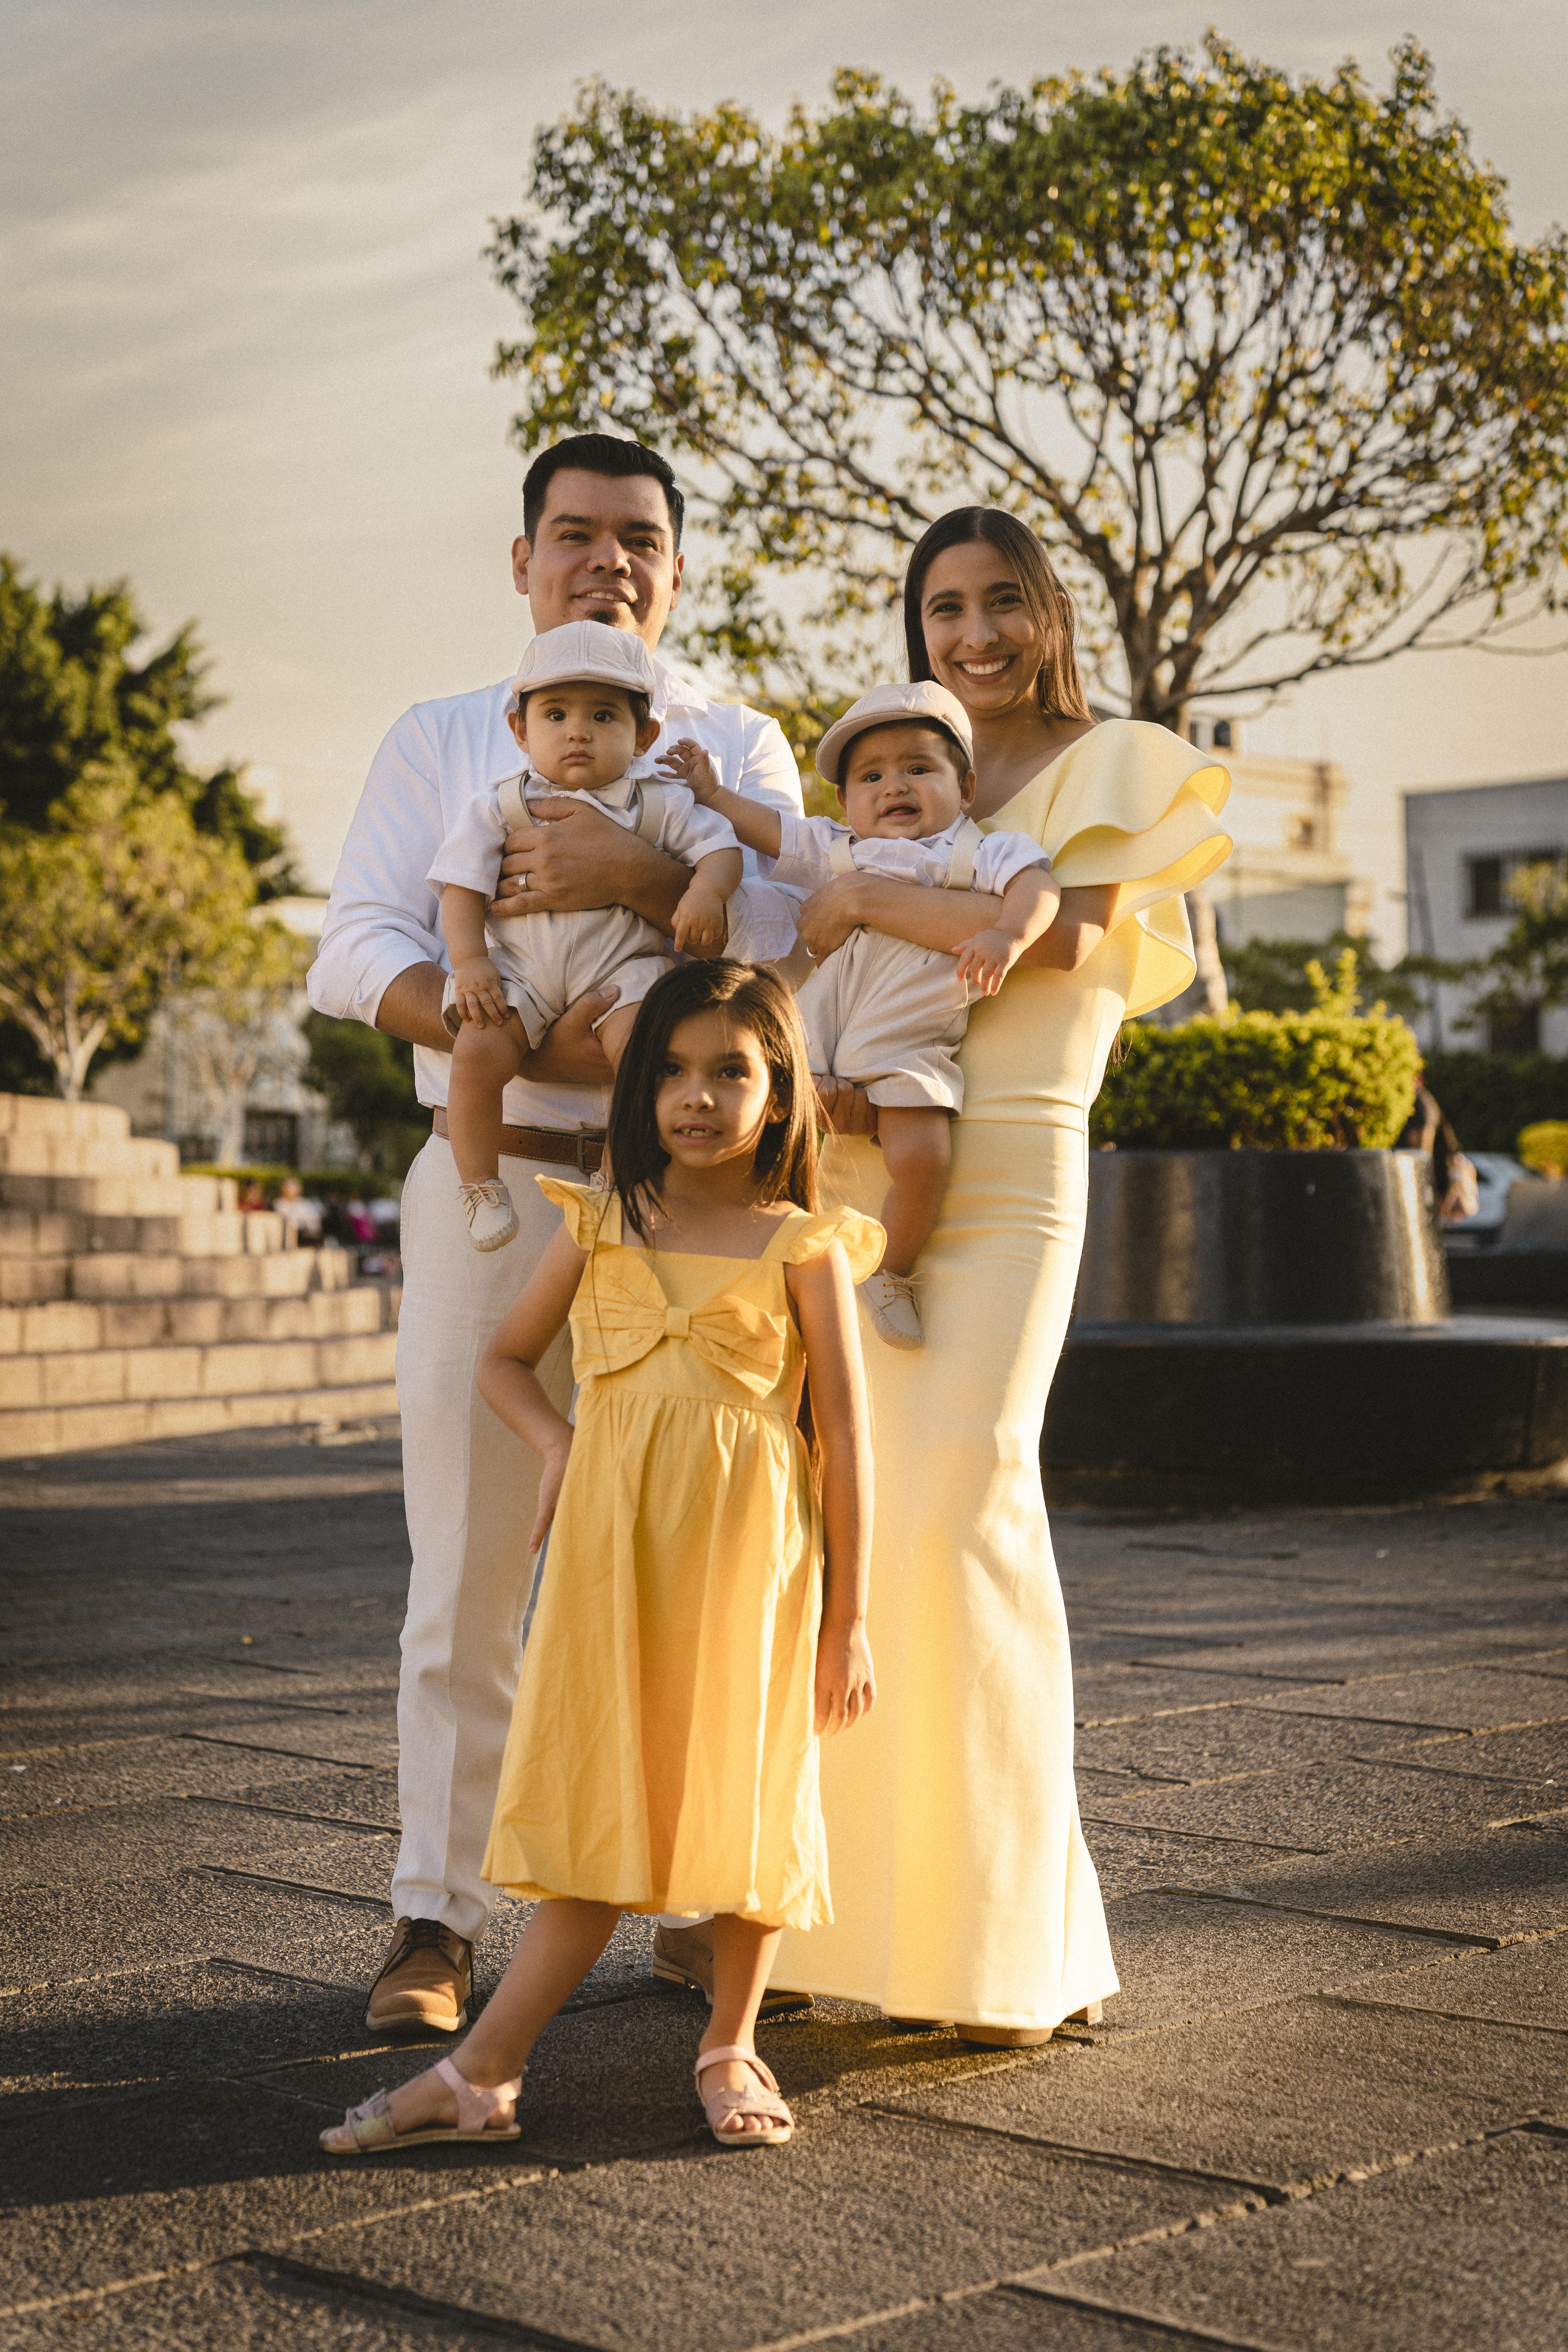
[(1324, 1768)]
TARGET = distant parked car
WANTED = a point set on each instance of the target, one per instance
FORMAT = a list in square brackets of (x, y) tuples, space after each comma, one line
[(1497, 1172)]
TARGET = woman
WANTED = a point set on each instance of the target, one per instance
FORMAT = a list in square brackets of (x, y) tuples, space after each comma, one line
[(962, 1889)]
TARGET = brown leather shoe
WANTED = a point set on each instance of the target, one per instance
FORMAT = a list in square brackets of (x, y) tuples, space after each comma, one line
[(427, 1981)]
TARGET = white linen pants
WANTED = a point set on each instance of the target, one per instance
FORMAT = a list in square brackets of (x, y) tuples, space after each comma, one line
[(470, 1488)]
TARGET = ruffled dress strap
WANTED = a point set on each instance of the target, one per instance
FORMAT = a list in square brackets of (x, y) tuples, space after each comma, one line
[(592, 1217), (1132, 804), (804, 1235)]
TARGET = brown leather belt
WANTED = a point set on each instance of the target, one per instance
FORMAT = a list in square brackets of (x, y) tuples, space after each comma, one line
[(583, 1149)]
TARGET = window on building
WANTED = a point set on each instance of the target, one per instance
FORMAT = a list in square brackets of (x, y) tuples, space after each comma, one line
[(272, 1138), (1224, 737), (1303, 832), (1487, 878)]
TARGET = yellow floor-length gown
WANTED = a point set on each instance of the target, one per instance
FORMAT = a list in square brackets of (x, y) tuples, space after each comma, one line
[(962, 1885), (662, 1755)]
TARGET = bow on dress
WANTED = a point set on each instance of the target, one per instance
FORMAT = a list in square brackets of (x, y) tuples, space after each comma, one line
[(621, 1314)]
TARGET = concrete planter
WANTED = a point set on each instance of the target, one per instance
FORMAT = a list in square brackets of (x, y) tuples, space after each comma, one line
[(1276, 1325), (1239, 1238)]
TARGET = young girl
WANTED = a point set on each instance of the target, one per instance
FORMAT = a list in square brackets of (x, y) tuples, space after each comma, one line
[(702, 1619)]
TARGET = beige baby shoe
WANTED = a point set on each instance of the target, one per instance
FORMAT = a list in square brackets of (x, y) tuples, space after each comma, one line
[(890, 1302), (492, 1220)]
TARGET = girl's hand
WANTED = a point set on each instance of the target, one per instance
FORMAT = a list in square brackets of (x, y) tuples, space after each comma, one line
[(688, 763), (846, 1678), (828, 916), (478, 993), (702, 926), (986, 960), (554, 1471)]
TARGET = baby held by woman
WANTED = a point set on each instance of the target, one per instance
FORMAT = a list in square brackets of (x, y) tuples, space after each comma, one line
[(880, 1012)]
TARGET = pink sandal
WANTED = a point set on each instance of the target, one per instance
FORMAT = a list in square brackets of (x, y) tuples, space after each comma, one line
[(367, 2129), (720, 2103)]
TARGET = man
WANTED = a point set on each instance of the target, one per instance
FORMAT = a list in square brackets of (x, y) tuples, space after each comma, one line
[(601, 540)]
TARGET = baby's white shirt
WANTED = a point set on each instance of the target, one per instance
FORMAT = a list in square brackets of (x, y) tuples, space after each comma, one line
[(805, 859), (471, 854)]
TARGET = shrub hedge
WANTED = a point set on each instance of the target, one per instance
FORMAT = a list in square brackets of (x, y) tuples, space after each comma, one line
[(1489, 1097), (1330, 1079)]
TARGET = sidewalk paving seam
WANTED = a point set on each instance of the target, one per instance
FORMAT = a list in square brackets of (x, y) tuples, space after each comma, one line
[(1178, 2330), (288, 1813), (1210, 1837), (1112, 2159), (373, 2291), (1341, 1918), (293, 1885), (1348, 2000), (301, 1755)]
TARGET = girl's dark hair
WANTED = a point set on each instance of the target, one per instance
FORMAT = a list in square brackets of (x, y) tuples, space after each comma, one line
[(785, 1163), (1059, 689)]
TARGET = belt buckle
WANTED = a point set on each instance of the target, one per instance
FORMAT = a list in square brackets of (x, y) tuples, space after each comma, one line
[(581, 1142)]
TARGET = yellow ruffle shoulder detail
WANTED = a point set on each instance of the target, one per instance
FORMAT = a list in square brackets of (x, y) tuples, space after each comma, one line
[(592, 1213), (1132, 804), (863, 1238)]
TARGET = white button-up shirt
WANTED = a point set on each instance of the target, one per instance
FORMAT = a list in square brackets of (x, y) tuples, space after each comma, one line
[(385, 916), (805, 856)]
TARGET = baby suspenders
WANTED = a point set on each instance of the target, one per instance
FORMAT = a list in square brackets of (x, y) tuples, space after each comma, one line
[(649, 804), (959, 864)]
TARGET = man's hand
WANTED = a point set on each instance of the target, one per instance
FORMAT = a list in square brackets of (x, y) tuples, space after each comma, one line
[(478, 994), (570, 1054), (688, 763), (568, 862), (828, 916), (986, 960), (846, 1110), (702, 925)]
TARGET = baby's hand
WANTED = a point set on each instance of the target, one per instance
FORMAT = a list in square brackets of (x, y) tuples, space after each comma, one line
[(478, 993), (986, 960), (702, 926), (688, 763)]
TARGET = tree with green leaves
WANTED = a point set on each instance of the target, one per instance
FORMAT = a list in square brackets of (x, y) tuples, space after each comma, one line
[(118, 901), (1262, 360), (77, 690), (1527, 971), (1275, 975), (368, 1080)]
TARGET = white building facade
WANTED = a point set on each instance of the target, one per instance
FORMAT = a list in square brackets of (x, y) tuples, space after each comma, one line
[(1462, 848)]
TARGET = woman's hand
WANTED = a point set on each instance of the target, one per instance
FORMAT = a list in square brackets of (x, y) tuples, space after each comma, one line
[(846, 1110), (549, 1483), (846, 1678), (829, 915)]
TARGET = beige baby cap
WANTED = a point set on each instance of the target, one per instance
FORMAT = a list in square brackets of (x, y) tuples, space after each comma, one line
[(884, 707), (585, 653)]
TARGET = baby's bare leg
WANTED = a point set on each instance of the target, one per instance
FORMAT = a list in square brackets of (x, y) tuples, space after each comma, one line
[(917, 1148), (484, 1063)]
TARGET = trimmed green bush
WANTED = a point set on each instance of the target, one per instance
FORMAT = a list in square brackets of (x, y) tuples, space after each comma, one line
[(1544, 1146), (1489, 1097), (1329, 1079)]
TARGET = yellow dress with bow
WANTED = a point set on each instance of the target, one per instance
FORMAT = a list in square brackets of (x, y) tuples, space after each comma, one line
[(662, 1755)]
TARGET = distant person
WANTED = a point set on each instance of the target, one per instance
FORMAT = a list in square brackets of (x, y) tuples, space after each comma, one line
[(600, 542), (251, 1198), (298, 1211), (702, 1622), (1455, 1184)]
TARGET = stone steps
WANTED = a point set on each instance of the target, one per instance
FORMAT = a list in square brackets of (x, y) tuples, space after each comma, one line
[(132, 1274), (136, 1303), (74, 1327), (56, 1233)]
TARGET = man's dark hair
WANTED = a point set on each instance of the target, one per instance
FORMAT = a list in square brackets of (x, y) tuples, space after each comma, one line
[(598, 453)]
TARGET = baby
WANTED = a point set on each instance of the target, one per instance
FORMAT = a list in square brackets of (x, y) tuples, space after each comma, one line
[(580, 714), (879, 1011)]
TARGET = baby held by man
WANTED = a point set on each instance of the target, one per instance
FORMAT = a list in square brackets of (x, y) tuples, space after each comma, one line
[(879, 1013)]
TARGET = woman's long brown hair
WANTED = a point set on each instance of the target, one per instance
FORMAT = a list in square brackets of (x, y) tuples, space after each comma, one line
[(786, 1164), (1059, 689)]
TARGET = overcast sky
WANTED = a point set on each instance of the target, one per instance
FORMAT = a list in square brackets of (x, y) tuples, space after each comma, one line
[(247, 328)]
